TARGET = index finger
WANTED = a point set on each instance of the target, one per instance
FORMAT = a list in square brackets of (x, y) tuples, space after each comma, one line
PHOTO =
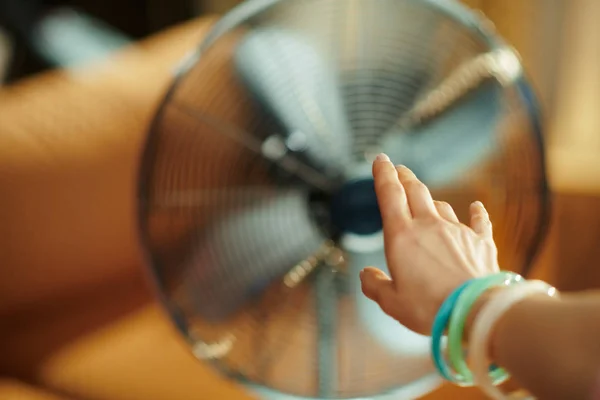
[(391, 197)]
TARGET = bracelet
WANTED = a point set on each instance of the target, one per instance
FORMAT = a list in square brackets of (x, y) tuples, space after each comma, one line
[(459, 316), (437, 331), (485, 322)]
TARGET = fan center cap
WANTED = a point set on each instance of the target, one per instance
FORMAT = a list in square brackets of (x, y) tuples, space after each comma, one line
[(354, 208)]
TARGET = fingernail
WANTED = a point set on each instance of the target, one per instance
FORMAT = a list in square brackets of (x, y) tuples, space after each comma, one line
[(405, 171), (478, 204), (360, 275), (382, 157)]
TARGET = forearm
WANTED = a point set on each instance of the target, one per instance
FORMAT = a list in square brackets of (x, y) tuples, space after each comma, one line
[(552, 347)]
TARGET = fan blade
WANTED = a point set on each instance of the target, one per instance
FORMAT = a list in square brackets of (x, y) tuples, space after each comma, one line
[(270, 148), (241, 254), (363, 251), (295, 83), (444, 149)]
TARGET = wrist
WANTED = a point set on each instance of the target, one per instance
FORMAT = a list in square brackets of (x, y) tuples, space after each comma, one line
[(461, 309), (510, 315)]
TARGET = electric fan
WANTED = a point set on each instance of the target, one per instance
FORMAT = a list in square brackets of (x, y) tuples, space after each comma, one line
[(257, 208)]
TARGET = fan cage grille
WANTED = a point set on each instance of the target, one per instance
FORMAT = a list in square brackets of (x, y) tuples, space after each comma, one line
[(204, 162)]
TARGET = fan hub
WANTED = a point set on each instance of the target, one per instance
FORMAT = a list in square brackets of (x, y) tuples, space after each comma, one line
[(354, 208)]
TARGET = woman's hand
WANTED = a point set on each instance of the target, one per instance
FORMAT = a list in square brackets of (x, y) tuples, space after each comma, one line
[(428, 251)]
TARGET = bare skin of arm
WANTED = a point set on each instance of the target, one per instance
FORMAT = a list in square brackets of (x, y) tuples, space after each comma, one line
[(550, 346)]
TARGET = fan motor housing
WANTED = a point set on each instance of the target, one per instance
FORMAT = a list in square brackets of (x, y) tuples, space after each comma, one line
[(354, 208)]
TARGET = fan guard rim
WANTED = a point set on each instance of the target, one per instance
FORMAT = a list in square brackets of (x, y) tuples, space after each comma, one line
[(457, 12)]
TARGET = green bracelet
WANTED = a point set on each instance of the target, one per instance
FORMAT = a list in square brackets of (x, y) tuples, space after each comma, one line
[(461, 311)]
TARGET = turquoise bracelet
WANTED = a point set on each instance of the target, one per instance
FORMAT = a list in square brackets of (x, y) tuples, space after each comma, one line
[(460, 313), (437, 332)]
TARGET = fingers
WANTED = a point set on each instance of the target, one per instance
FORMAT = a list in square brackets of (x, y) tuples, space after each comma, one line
[(418, 196), (446, 211), (391, 196), (377, 286), (480, 220)]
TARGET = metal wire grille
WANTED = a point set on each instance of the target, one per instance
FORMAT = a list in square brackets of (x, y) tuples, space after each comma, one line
[(293, 101)]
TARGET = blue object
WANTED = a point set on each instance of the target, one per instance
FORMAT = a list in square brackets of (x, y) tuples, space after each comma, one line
[(354, 208), (439, 326)]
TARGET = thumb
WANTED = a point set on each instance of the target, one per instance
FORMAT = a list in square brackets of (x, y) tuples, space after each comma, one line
[(377, 286)]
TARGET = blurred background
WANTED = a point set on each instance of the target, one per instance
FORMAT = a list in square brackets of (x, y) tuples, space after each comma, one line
[(89, 356)]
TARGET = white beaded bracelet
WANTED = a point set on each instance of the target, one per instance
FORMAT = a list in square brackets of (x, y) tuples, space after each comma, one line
[(483, 326)]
